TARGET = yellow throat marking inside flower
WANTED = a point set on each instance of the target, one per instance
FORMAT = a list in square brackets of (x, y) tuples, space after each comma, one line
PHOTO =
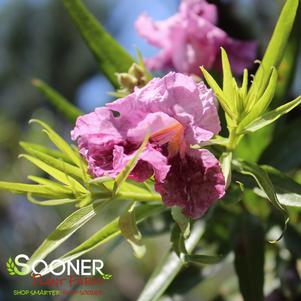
[(173, 135)]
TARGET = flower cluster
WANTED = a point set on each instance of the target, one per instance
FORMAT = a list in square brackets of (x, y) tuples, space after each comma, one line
[(191, 38), (176, 112)]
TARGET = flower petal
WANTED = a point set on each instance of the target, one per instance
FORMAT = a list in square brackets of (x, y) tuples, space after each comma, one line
[(151, 162), (193, 183), (177, 96), (100, 123), (190, 39), (200, 8), (156, 32)]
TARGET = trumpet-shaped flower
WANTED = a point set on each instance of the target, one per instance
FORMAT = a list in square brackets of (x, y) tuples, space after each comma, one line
[(190, 39), (176, 112)]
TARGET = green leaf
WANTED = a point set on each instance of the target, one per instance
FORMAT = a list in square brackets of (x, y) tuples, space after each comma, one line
[(288, 191), (226, 163), (57, 174), (111, 57), (101, 180), (261, 105), (244, 87), (58, 101), (289, 63), (142, 65), (46, 150), (56, 163), (265, 184), (123, 175), (217, 140), (57, 202), (227, 79), (203, 259), (178, 241), (249, 258), (107, 233), (218, 92), (169, 267), (51, 185), (271, 116), (182, 221), (211, 82), (59, 142), (20, 188), (276, 47), (128, 228), (65, 229), (132, 190)]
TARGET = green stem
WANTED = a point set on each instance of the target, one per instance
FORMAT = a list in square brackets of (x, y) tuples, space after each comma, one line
[(139, 197), (232, 139), (125, 196)]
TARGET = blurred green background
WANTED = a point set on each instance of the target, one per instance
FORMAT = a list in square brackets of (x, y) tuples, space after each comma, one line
[(38, 40)]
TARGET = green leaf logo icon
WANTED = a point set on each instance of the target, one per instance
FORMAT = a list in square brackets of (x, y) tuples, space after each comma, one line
[(12, 269), (10, 265)]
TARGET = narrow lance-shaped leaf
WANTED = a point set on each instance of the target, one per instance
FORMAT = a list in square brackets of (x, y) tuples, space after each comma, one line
[(107, 233), (56, 163), (244, 87), (217, 140), (265, 184), (261, 104), (51, 184), (57, 174), (238, 100), (142, 65), (128, 227), (123, 175), (227, 79), (182, 220), (276, 47), (218, 92), (57, 202), (289, 62), (64, 230), (178, 241), (46, 150), (59, 142), (111, 57), (288, 191), (226, 163), (70, 111), (271, 116), (40, 190)]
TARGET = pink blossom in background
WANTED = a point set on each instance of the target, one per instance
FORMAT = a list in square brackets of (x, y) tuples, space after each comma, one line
[(190, 39), (178, 112)]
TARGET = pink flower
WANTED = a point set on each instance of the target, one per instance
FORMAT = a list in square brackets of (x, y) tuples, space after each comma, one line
[(178, 112), (191, 39)]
